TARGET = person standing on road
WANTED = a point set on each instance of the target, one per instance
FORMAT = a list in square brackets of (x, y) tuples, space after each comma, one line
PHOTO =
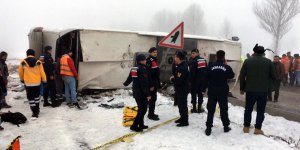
[(31, 73), (69, 75), (256, 76), (296, 68), (4, 74), (218, 74), (286, 62), (49, 88), (154, 75), (197, 80), (279, 69), (141, 91), (181, 83)]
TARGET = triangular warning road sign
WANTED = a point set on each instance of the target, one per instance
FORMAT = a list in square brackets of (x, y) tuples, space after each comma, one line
[(175, 38)]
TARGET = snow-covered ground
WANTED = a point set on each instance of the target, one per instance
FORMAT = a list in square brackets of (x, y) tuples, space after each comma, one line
[(71, 129)]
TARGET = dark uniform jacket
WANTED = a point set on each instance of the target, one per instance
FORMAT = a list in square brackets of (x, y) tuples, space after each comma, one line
[(197, 73), (181, 78), (154, 73), (48, 65), (139, 76), (218, 74), (279, 69)]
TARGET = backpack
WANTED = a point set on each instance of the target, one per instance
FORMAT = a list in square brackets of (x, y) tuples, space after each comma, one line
[(14, 118)]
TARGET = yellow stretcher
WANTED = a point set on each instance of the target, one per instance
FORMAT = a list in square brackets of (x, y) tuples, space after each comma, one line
[(129, 115)]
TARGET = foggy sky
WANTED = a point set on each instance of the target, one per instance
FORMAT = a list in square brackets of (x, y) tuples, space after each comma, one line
[(19, 16)]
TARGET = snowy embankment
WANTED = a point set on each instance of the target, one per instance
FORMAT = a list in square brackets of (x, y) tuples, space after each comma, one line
[(69, 128)]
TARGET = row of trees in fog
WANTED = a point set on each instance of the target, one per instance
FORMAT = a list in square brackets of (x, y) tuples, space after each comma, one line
[(274, 16), (193, 17)]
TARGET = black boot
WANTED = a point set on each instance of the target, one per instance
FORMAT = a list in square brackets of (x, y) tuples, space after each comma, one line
[(46, 103), (55, 103), (136, 128), (178, 120), (194, 109), (153, 117), (77, 105), (208, 131), (144, 127), (183, 124), (227, 129), (200, 109)]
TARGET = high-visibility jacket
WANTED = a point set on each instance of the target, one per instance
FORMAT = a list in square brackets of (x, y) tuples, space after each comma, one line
[(65, 68), (31, 75), (286, 62)]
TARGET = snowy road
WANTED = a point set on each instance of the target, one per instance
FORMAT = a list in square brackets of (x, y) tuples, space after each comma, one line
[(65, 128)]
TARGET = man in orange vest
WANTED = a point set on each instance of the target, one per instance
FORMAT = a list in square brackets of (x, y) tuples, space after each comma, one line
[(296, 68), (286, 62), (31, 73), (69, 75)]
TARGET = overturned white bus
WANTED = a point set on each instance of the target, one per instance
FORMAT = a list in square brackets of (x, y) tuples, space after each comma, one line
[(104, 58)]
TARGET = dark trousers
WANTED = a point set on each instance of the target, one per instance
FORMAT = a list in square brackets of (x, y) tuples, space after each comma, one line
[(33, 96), (142, 104), (251, 99), (152, 102), (285, 79), (211, 107), (292, 78), (49, 90), (277, 88), (59, 84), (197, 94), (182, 105)]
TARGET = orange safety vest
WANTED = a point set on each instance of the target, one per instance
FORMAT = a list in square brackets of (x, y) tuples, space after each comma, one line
[(64, 66)]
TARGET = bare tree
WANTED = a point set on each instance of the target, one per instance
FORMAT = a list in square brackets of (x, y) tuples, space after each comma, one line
[(164, 21), (275, 16), (193, 19), (227, 29)]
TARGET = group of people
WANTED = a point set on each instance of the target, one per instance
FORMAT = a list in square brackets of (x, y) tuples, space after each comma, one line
[(287, 69), (38, 76), (193, 76), (257, 79)]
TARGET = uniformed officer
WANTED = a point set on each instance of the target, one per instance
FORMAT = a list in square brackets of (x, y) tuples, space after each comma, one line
[(141, 91), (154, 74), (217, 75), (197, 79), (181, 83)]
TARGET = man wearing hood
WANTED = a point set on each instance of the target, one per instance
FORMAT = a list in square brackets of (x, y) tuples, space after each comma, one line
[(31, 73), (256, 76)]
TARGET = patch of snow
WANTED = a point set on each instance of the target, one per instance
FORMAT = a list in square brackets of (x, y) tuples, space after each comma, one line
[(69, 128)]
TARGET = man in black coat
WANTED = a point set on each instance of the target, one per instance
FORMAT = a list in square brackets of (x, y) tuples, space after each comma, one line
[(181, 83), (217, 75), (154, 74), (197, 79), (141, 91), (49, 87), (257, 77)]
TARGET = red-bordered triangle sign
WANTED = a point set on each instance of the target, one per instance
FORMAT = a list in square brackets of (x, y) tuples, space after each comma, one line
[(175, 38)]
